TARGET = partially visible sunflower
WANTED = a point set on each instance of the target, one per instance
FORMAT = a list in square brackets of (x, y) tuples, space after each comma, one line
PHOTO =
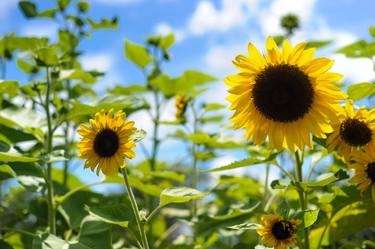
[(363, 164), (106, 142), (353, 130), (285, 95), (278, 232), (181, 103)]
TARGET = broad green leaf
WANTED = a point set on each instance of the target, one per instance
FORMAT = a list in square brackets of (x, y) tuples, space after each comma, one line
[(126, 90), (21, 118), (170, 175), (361, 90), (318, 44), (245, 226), (46, 56), (49, 241), (12, 157), (235, 216), (77, 74), (139, 135), (48, 13), (6, 172), (95, 234), (179, 195), (10, 87), (83, 6), (245, 162), (104, 23), (310, 217), (27, 67), (28, 9), (63, 4), (167, 41), (32, 183), (327, 178), (5, 245), (112, 214), (371, 31), (358, 49), (137, 54), (214, 119)]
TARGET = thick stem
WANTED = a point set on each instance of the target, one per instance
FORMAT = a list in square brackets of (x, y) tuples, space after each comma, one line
[(135, 210), (67, 141), (302, 196), (51, 201)]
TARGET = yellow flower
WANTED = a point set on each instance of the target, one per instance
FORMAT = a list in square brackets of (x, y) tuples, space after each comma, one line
[(285, 95), (181, 102), (363, 164), (106, 142), (353, 131), (277, 232)]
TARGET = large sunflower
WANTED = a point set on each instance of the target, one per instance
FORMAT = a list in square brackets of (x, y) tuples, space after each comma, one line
[(285, 95), (278, 232), (106, 142), (363, 164), (352, 131)]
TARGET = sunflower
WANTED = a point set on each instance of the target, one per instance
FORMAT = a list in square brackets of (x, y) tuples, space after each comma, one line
[(363, 164), (278, 232), (285, 95), (352, 131), (107, 142)]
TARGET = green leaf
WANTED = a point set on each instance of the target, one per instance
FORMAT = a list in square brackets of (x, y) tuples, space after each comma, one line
[(371, 31), (46, 56), (48, 13), (6, 172), (179, 195), (5, 245), (28, 9), (361, 90), (104, 23), (112, 214), (31, 183), (245, 162), (310, 217), (327, 178), (126, 90), (48, 241), (77, 74), (245, 226), (10, 87), (139, 135), (167, 41), (318, 44), (12, 157), (137, 54), (95, 234), (170, 175), (213, 107), (279, 184), (83, 6), (358, 49)]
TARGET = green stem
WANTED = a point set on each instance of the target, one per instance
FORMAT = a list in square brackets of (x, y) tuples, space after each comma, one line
[(155, 142), (135, 210), (302, 195), (51, 201), (153, 213), (67, 141), (324, 231), (61, 199), (195, 180), (265, 194)]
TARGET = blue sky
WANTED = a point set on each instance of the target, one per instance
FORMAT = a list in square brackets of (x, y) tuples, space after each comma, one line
[(209, 34)]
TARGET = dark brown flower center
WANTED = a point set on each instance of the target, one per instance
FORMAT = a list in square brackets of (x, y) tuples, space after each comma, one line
[(282, 230), (355, 132), (283, 93), (106, 143), (371, 171)]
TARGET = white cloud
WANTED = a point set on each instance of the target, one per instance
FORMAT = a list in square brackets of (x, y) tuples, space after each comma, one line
[(101, 62), (6, 6), (269, 19), (355, 70), (117, 2), (40, 30)]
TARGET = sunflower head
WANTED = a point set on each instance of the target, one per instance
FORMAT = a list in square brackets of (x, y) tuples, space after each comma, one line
[(181, 103), (106, 142), (353, 130), (285, 95), (278, 232), (363, 165)]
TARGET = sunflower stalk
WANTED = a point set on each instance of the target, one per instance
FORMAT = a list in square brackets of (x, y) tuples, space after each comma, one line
[(134, 205), (302, 194), (50, 200)]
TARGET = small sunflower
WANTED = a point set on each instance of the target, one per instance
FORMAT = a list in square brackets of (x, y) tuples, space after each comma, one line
[(285, 95), (352, 131), (107, 142), (363, 164), (278, 232), (181, 103)]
